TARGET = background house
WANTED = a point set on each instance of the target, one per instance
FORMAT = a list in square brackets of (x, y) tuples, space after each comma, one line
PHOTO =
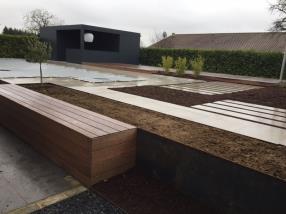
[(265, 41)]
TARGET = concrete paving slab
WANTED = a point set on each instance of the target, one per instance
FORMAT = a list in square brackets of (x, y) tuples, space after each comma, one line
[(261, 110), (257, 106), (248, 128), (212, 88), (9, 198), (25, 175), (241, 116), (247, 112)]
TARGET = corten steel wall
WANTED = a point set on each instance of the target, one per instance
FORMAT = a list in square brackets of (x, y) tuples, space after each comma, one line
[(229, 187), (129, 46)]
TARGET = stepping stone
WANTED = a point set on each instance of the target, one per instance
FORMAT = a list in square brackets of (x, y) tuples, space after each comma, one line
[(211, 88)]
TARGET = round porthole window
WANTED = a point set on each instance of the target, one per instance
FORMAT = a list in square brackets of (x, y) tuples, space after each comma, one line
[(88, 37)]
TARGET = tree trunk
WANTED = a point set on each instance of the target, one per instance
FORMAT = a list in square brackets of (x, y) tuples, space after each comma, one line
[(41, 73)]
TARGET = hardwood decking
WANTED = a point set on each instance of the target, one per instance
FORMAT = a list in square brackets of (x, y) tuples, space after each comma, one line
[(92, 147)]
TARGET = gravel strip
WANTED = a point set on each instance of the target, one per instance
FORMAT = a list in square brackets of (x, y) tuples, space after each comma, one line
[(86, 202)]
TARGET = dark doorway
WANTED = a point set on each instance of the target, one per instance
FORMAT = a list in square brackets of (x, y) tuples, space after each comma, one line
[(67, 39)]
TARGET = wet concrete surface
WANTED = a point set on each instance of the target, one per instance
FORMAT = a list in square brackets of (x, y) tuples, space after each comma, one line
[(25, 175)]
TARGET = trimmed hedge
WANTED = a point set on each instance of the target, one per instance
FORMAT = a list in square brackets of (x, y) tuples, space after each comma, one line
[(12, 46), (250, 63)]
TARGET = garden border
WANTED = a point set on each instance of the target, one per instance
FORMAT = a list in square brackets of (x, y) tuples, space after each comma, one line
[(229, 187)]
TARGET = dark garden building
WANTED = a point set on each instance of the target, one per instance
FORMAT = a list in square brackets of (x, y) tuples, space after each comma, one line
[(84, 43)]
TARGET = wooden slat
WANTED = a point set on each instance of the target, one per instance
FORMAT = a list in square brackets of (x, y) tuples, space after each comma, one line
[(91, 126), (91, 120), (77, 109), (14, 98)]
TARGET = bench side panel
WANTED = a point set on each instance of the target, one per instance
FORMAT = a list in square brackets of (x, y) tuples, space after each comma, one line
[(113, 154)]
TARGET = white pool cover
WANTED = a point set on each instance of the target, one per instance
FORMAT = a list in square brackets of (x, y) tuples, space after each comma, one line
[(13, 68)]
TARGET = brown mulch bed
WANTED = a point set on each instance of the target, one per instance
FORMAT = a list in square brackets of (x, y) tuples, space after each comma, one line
[(137, 193), (269, 96), (256, 154)]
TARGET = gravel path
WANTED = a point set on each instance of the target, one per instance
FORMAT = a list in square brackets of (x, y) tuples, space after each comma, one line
[(85, 203)]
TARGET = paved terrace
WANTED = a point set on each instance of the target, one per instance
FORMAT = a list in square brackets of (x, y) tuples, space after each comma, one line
[(146, 68)]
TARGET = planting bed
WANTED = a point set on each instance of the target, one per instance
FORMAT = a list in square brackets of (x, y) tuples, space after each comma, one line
[(268, 96), (137, 193), (213, 165)]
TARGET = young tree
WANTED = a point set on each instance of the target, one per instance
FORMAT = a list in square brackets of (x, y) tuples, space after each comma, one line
[(38, 52), (280, 9), (38, 18)]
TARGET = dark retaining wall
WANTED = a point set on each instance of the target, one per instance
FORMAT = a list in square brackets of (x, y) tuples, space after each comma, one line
[(230, 187)]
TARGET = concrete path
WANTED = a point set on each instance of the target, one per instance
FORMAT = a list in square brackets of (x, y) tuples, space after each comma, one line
[(210, 74), (240, 126)]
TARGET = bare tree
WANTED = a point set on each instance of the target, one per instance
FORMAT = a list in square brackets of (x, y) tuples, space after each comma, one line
[(158, 36), (280, 9), (38, 18)]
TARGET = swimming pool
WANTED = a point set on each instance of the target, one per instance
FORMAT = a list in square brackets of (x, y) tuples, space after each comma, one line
[(16, 68)]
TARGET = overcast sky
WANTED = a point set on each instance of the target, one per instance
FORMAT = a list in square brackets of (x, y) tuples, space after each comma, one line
[(149, 16)]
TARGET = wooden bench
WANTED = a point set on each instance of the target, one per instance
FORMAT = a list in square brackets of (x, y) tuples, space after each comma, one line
[(90, 146)]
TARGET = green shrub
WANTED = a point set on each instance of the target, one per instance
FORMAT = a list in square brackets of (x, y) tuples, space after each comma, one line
[(167, 63), (251, 63), (181, 65), (197, 65), (14, 46)]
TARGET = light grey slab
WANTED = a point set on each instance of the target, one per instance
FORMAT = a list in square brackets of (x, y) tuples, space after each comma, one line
[(181, 89), (211, 88), (241, 116), (229, 85), (257, 106), (248, 128), (226, 88), (243, 111), (223, 87), (252, 108), (188, 90), (195, 88), (30, 175), (9, 198)]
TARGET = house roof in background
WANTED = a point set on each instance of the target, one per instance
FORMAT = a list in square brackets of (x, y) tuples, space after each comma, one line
[(265, 41)]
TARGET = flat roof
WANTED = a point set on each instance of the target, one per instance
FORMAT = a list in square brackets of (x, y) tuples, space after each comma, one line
[(89, 27)]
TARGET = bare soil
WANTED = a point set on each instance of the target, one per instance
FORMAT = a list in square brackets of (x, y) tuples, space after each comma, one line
[(269, 96), (137, 193), (258, 155)]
